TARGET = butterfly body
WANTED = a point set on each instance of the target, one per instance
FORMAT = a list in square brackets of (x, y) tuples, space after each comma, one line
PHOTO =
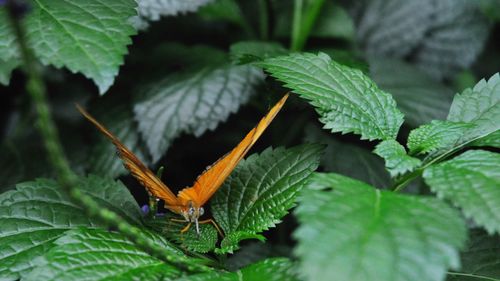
[(189, 201)]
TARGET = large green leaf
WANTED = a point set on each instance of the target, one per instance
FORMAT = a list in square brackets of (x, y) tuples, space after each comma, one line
[(352, 231), (349, 159), (439, 36), (436, 135), (397, 161), (245, 52), (169, 226), (38, 212), (481, 259), (419, 97), (89, 37), (9, 57), (346, 99), (273, 269), (192, 103), (96, 254), (472, 182), (479, 106), (492, 140), (261, 190)]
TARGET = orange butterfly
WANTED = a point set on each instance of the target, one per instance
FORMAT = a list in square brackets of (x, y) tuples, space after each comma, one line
[(190, 200)]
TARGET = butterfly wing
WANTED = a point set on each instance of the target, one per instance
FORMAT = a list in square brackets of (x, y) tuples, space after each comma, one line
[(210, 180), (145, 177)]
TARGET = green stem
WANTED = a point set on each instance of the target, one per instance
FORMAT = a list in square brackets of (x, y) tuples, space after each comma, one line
[(301, 27), (472, 276), (264, 20), (296, 25), (405, 180), (35, 87)]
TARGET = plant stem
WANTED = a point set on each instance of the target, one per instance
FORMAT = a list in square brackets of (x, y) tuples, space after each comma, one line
[(264, 20), (35, 87), (301, 27), (296, 25), (472, 276)]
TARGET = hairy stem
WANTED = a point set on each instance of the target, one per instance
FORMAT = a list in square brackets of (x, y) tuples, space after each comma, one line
[(35, 87)]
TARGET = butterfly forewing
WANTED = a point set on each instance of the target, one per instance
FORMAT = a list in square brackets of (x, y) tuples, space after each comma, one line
[(210, 180), (145, 176)]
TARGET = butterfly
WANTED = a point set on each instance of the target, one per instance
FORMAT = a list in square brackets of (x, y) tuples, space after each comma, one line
[(189, 201)]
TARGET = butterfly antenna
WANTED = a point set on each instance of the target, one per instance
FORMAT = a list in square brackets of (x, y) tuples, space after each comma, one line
[(197, 227)]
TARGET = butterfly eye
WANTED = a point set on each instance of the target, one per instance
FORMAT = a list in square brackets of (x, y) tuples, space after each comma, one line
[(191, 211), (201, 211)]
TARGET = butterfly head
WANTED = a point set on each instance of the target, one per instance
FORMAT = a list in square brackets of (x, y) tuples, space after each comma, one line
[(192, 213)]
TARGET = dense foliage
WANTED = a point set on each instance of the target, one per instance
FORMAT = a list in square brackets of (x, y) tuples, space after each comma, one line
[(383, 165)]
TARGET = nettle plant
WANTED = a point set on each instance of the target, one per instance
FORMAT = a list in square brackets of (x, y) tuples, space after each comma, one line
[(441, 185)]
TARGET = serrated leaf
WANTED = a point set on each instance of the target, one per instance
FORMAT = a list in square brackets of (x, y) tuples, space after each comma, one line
[(481, 259), (9, 56), (419, 97), (96, 254), (154, 9), (38, 212), (479, 106), (349, 160), (441, 37), (472, 182), (492, 140), (189, 240), (346, 100), (192, 103), (272, 269), (397, 161), (436, 135), (230, 242), (352, 231), (89, 37), (118, 119), (261, 189), (245, 52)]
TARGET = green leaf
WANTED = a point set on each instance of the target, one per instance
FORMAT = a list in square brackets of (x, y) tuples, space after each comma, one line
[(96, 254), (436, 135), (260, 191), (89, 37), (38, 212), (419, 97), (245, 52), (481, 259), (346, 99), (230, 242), (189, 240), (352, 231), (9, 56), (349, 160), (119, 120), (333, 21), (441, 38), (492, 140), (154, 10), (273, 269), (192, 103), (397, 161), (479, 106), (472, 182)]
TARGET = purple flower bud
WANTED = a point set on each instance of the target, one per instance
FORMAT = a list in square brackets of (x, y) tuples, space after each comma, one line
[(144, 208)]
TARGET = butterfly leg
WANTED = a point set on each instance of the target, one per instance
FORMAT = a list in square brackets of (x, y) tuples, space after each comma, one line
[(186, 228), (214, 224)]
